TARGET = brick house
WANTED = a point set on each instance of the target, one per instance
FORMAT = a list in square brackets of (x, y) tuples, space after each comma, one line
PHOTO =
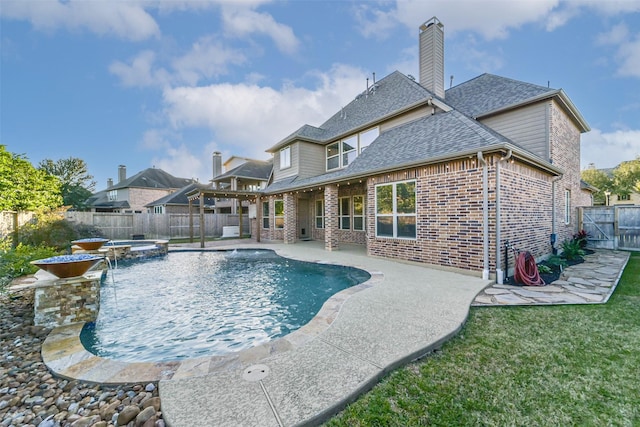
[(446, 178), (132, 194)]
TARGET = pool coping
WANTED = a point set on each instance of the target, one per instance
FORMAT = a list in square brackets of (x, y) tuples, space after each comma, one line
[(65, 355)]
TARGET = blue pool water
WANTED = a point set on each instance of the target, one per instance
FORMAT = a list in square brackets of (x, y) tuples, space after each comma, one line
[(203, 303)]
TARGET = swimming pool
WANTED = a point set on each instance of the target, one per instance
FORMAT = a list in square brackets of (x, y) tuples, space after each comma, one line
[(205, 303)]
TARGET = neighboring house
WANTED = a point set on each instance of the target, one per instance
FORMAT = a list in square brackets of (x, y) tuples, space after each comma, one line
[(447, 178), (131, 195), (178, 203), (242, 174), (612, 199)]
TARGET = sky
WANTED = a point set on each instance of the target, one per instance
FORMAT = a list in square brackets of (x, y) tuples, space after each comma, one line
[(165, 83)]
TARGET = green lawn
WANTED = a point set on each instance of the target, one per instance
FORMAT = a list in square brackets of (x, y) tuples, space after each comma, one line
[(522, 366)]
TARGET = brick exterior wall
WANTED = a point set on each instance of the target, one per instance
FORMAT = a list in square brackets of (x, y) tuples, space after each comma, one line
[(290, 218), (139, 197), (564, 139), (66, 301)]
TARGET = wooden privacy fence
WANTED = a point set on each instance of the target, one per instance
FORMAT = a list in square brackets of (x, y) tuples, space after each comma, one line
[(612, 227), (156, 226), (10, 220)]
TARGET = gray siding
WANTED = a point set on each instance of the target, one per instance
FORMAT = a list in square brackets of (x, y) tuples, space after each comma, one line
[(312, 159), (405, 118), (288, 172), (527, 126)]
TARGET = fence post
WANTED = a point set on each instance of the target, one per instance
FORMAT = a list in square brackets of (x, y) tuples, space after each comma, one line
[(616, 228), (14, 241)]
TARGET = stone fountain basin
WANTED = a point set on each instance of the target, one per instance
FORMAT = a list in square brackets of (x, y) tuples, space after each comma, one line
[(90, 244), (64, 266)]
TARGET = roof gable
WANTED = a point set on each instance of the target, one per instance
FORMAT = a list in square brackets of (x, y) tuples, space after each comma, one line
[(488, 92), (152, 178), (393, 94), (252, 169), (179, 197)]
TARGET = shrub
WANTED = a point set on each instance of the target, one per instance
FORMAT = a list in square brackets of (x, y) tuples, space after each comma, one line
[(52, 230), (581, 238), (571, 250), (544, 269), (16, 262)]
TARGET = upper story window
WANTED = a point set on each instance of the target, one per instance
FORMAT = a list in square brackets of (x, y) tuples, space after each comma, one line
[(112, 195), (158, 209), (285, 158), (341, 153)]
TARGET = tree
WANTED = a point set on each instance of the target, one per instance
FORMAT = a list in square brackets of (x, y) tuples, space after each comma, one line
[(76, 183), (626, 177), (601, 181), (25, 188)]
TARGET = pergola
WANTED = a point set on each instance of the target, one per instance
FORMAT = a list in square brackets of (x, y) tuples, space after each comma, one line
[(240, 196)]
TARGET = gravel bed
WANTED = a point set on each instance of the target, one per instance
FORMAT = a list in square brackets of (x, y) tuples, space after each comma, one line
[(31, 396)]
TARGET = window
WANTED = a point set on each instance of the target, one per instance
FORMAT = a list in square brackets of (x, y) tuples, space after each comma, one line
[(342, 153), (344, 213), (278, 208), (112, 195), (567, 206), (396, 210), (158, 209), (319, 213), (622, 197), (265, 215), (285, 158), (358, 213)]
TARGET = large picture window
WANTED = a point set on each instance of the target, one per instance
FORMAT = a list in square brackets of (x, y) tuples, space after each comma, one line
[(278, 213), (396, 210), (265, 215), (344, 213), (319, 213)]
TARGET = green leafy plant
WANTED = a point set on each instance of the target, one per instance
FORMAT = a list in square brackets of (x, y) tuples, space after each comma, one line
[(17, 262), (571, 250), (544, 269), (581, 238), (52, 230), (557, 261)]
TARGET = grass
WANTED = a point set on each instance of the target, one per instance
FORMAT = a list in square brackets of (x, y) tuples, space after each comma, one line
[(522, 366)]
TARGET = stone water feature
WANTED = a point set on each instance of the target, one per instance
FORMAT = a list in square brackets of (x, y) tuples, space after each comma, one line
[(67, 287)]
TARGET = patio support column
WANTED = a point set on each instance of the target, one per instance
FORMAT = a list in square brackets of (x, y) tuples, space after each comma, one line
[(239, 203), (190, 221), (331, 217), (258, 222), (201, 220), (290, 218)]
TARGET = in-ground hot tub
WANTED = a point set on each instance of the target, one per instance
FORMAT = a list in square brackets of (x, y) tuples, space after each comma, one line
[(132, 249)]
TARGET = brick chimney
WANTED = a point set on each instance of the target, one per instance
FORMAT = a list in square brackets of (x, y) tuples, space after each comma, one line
[(109, 182), (432, 56)]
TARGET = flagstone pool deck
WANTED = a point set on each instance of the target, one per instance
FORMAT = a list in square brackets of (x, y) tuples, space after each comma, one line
[(404, 312)]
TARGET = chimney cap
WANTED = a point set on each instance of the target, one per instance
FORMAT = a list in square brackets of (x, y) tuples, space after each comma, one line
[(430, 22)]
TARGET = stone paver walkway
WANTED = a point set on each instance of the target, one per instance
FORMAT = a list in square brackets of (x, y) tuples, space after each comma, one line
[(591, 282)]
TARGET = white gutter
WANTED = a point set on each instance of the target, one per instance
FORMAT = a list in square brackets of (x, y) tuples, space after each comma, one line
[(485, 216), (499, 273)]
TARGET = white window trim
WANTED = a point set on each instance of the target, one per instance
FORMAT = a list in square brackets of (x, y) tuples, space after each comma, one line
[(265, 216), (285, 158), (342, 214), (275, 217), (358, 149), (567, 207), (354, 216), (395, 215), (321, 216)]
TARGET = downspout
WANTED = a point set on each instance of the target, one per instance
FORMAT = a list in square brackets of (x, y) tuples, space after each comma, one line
[(554, 235), (485, 216), (499, 273)]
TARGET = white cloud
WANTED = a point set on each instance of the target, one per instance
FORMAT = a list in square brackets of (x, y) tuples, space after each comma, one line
[(608, 149), (181, 162), (140, 72), (251, 118), (628, 49), (207, 58), (126, 20), (242, 21)]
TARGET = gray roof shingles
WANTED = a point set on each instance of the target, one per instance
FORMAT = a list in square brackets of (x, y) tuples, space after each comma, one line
[(489, 92)]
